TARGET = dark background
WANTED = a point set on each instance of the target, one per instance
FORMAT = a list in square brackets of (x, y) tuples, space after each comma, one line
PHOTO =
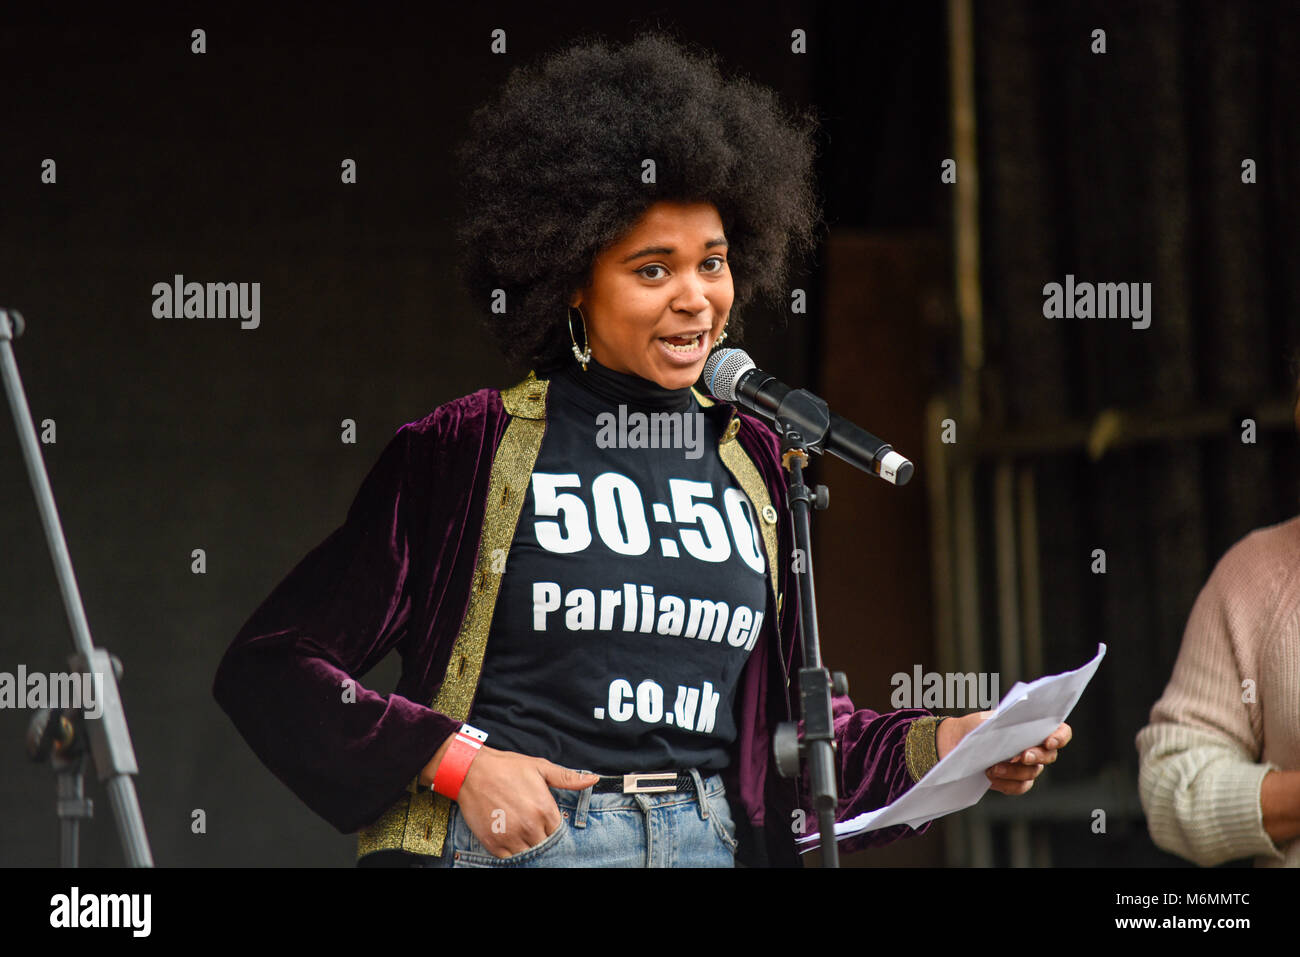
[(182, 434)]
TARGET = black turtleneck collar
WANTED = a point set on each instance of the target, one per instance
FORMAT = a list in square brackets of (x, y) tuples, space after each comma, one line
[(620, 388)]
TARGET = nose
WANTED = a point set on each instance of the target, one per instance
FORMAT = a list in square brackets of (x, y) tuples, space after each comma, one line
[(691, 297)]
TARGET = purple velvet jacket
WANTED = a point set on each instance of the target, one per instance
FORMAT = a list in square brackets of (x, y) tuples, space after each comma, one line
[(397, 575)]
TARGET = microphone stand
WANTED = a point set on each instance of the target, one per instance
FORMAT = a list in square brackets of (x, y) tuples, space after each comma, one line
[(802, 421), (57, 735)]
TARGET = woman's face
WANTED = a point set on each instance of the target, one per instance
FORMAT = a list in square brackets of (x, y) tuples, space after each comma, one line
[(659, 297)]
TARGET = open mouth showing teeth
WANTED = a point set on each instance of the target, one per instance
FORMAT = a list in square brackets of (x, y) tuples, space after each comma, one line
[(683, 343)]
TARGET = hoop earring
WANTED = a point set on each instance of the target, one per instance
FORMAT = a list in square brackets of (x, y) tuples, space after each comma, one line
[(720, 338), (582, 355)]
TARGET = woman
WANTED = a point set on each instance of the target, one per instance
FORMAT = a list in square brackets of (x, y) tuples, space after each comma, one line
[(1219, 761), (594, 603)]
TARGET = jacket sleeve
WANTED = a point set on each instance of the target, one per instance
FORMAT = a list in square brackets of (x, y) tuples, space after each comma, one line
[(289, 679), (1199, 772), (881, 755)]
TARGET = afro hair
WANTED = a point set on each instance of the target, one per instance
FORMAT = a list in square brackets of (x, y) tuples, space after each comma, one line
[(551, 174)]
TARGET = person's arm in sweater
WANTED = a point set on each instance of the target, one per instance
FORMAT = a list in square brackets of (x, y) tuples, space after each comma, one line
[(1200, 776)]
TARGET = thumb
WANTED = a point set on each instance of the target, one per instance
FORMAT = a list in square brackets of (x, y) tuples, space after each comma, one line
[(567, 778)]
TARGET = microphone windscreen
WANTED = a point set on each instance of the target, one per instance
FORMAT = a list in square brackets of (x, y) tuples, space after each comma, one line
[(723, 370)]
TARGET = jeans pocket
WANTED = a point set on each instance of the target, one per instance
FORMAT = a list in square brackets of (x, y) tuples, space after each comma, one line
[(468, 850)]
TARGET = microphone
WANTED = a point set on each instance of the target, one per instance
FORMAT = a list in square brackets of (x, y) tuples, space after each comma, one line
[(730, 374)]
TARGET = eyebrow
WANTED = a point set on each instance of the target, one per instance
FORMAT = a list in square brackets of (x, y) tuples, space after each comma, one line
[(668, 250)]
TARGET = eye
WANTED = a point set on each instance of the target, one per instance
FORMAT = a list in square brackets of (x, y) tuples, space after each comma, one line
[(641, 271), (720, 263)]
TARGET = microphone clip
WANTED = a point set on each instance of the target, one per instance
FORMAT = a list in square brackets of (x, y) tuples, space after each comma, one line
[(802, 420)]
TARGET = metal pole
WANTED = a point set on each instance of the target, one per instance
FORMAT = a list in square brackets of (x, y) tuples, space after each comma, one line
[(110, 740)]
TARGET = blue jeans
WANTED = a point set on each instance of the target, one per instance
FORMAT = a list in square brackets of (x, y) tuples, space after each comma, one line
[(615, 830)]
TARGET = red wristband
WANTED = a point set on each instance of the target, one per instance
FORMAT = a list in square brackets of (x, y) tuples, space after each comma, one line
[(456, 761)]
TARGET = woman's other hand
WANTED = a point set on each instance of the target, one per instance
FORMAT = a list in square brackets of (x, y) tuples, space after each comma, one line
[(1017, 774), (505, 797)]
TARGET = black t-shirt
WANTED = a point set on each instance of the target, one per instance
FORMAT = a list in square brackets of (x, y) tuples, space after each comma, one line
[(634, 589)]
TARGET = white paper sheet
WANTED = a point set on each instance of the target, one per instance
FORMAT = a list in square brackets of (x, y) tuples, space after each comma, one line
[(1024, 717)]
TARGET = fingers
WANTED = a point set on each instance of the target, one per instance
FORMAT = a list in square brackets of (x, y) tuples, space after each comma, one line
[(1016, 775), (525, 827), (1060, 737), (541, 820), (1013, 779), (532, 830), (1046, 752), (566, 778), (1013, 788), (1034, 756), (506, 803), (1014, 772)]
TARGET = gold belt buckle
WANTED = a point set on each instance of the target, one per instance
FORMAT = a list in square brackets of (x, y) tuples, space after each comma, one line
[(644, 783)]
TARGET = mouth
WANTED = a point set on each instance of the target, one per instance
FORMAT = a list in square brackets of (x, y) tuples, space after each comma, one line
[(684, 344), (685, 350)]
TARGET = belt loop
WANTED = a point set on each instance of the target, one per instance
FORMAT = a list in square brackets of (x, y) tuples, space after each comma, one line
[(699, 794), (580, 812)]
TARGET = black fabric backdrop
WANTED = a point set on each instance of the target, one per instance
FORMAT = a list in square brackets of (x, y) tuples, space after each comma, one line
[(1127, 167)]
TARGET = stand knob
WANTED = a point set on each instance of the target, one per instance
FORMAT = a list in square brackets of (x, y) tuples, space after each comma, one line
[(785, 748), (839, 683), (12, 324), (821, 497)]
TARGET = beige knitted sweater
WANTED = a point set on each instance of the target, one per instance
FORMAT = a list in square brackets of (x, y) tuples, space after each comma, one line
[(1206, 750)]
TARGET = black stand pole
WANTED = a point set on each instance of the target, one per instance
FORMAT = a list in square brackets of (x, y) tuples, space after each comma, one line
[(802, 421), (62, 738)]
